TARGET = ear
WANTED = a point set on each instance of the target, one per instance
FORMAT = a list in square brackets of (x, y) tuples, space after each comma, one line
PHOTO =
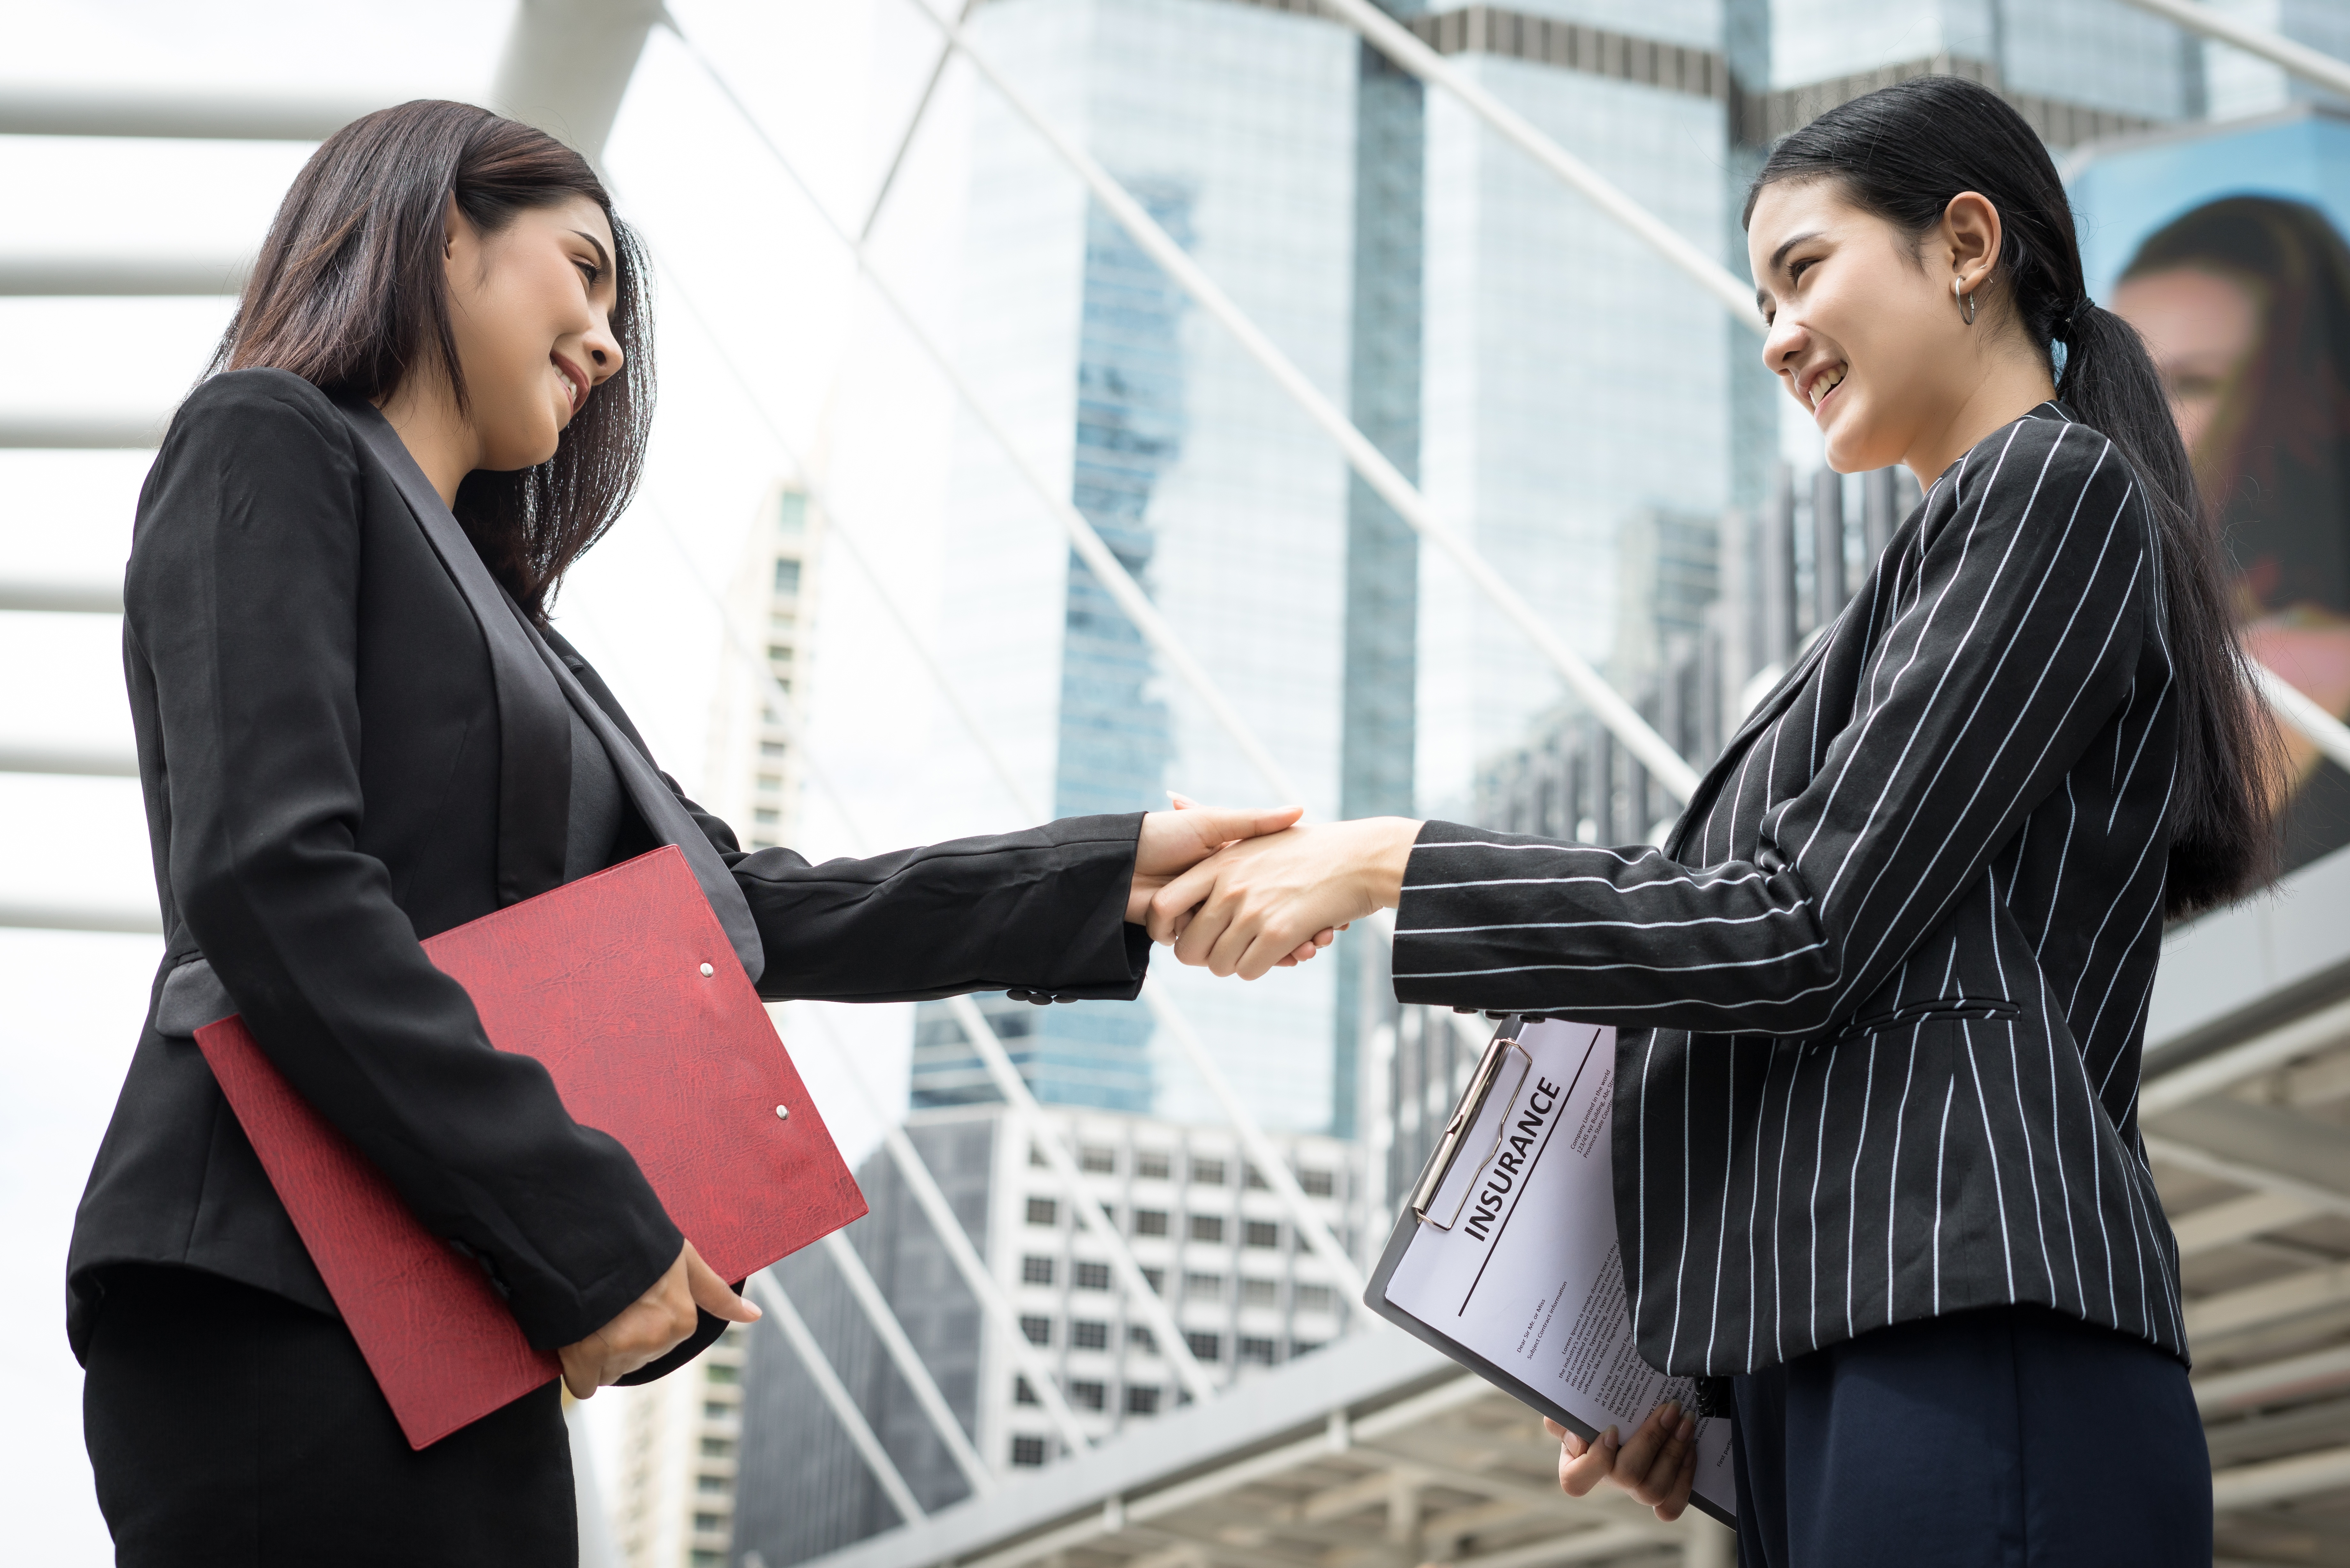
[(1971, 230)]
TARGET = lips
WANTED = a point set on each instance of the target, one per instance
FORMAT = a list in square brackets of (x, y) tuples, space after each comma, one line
[(1823, 383), (574, 383)]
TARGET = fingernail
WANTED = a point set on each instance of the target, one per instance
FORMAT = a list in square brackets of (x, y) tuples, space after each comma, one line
[(1608, 1436), (1670, 1408)]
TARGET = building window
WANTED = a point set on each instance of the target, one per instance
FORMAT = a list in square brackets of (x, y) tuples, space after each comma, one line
[(1141, 1400), (1086, 1396), (1259, 1292), (1256, 1178), (1036, 1159), (1138, 1337), (709, 1560), (1044, 1211), (1152, 1165), (718, 1484), (1093, 1276), (1206, 1227), (714, 1412), (1035, 1270), (717, 1447), (787, 575), (708, 1523), (778, 654), (767, 815), (1039, 1330), (1203, 1287), (1260, 1233), (1157, 1280), (1027, 1450), (1298, 1347), (1208, 1172), (1313, 1298), (1151, 1221), (791, 511), (771, 748), (1257, 1350), (1098, 1162), (771, 782), (1087, 1335), (1024, 1392), (719, 1372), (1205, 1347), (1317, 1183)]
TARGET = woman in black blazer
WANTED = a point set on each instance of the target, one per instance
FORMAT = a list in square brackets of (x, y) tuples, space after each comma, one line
[(1880, 994), (357, 729)]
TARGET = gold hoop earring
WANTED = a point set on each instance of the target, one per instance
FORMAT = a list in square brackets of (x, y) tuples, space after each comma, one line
[(1966, 301)]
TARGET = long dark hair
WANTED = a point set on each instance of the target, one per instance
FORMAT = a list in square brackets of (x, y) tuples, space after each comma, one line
[(349, 293), (1901, 153), (2275, 461)]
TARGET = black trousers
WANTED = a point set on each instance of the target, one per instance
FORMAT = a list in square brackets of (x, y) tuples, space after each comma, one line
[(2012, 1438), (230, 1428)]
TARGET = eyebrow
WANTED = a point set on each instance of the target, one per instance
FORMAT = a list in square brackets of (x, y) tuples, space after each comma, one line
[(1779, 256), (604, 258)]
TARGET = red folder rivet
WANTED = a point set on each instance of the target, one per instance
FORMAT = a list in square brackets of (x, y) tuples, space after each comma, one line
[(785, 1112), (707, 971)]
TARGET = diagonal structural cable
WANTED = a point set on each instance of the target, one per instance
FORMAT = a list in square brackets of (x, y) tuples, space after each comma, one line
[(1112, 574), (1311, 1227), (1666, 766), (771, 1295), (2297, 58), (967, 1260), (1085, 1210), (906, 138), (1397, 42)]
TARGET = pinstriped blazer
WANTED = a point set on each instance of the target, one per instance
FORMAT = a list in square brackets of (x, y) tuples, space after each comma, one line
[(1880, 997)]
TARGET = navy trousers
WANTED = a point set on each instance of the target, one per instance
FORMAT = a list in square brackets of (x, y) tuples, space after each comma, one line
[(2012, 1438)]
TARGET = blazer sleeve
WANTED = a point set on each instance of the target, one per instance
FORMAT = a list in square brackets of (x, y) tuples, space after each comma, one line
[(242, 600), (2017, 639), (1041, 912)]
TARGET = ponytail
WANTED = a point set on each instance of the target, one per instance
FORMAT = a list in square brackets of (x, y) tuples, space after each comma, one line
[(1902, 154)]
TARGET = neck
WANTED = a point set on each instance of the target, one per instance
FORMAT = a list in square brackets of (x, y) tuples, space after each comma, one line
[(436, 435), (2009, 387)]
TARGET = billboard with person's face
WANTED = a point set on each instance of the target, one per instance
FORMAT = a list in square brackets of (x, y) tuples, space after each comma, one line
[(2227, 251)]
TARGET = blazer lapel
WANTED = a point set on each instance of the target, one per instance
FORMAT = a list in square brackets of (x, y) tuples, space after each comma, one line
[(534, 731)]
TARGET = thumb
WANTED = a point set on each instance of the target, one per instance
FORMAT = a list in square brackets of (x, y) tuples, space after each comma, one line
[(713, 1295), (1221, 825)]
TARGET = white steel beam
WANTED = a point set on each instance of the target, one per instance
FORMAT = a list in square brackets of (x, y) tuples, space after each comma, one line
[(116, 275), (2297, 1378), (21, 915), (2279, 1480), (2312, 1032), (78, 762), (567, 64), (769, 1292), (101, 430), (2325, 731), (175, 116), (2204, 1162), (908, 1362), (59, 596), (1667, 766), (2297, 58), (2207, 1229), (2256, 1306)]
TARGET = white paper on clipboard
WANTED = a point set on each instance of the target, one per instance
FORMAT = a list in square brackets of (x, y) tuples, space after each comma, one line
[(1528, 1275)]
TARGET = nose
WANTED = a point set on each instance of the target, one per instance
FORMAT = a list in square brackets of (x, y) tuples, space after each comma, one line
[(1783, 344), (602, 347)]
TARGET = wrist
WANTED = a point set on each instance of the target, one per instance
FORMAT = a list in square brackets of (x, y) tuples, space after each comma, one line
[(1386, 856)]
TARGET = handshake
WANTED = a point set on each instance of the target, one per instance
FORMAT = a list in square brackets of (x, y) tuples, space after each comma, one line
[(1243, 892)]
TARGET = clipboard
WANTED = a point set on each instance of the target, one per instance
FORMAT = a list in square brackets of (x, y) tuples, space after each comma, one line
[(1506, 1259)]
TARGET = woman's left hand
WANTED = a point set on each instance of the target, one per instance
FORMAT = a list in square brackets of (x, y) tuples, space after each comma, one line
[(1245, 908), (1657, 1467)]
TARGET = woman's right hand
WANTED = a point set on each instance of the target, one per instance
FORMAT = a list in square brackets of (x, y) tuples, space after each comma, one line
[(652, 1325), (1657, 1467)]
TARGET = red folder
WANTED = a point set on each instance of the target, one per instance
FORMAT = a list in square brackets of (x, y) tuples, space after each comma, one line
[(624, 985)]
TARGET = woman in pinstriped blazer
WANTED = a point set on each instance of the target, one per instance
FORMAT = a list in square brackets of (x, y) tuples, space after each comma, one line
[(1880, 995)]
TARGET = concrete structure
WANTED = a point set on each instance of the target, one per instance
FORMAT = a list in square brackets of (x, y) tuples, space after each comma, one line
[(1213, 1241)]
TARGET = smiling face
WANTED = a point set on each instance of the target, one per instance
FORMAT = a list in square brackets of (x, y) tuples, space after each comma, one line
[(531, 308), (2201, 329), (1865, 331)]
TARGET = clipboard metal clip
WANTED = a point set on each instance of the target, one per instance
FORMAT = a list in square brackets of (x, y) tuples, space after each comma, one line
[(1504, 1063)]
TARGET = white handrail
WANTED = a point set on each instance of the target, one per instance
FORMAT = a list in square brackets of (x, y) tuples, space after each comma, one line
[(2297, 58)]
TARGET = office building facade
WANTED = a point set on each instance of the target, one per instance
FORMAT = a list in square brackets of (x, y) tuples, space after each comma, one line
[(755, 776)]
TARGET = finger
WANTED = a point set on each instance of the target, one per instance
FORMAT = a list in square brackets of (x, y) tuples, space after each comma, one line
[(1554, 1429), (1578, 1475), (1200, 939), (1221, 825), (579, 1368), (1656, 1482), (1182, 802), (1641, 1453), (1325, 936), (1677, 1501), (713, 1294), (1173, 903)]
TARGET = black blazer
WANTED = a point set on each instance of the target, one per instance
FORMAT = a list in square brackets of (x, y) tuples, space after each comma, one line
[(1881, 995), (346, 747)]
